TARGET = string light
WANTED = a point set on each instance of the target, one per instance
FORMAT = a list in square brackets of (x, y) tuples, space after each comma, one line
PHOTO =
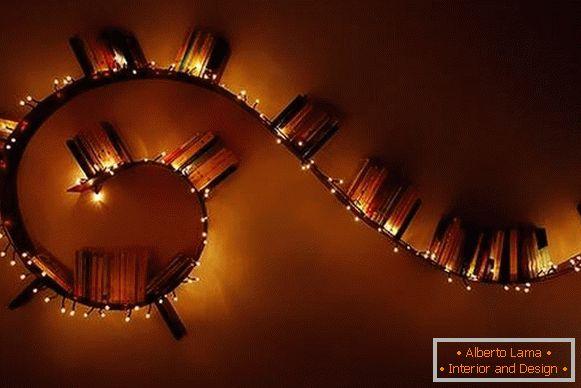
[(450, 280), (128, 316), (63, 308), (87, 313), (72, 312), (148, 313)]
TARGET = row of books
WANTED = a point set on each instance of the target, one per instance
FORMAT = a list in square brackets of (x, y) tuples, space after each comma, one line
[(512, 255), (171, 276), (203, 54), (306, 125), (385, 199), (204, 159), (6, 129), (111, 50), (117, 276), (98, 148)]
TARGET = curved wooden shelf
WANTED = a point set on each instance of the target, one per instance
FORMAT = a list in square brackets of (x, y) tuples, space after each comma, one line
[(9, 210)]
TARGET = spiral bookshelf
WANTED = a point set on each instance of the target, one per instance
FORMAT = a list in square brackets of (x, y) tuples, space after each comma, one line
[(513, 258)]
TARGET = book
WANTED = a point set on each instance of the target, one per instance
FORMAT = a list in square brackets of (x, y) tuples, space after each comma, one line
[(110, 51), (515, 255), (114, 276), (98, 149), (306, 125), (203, 54), (383, 198)]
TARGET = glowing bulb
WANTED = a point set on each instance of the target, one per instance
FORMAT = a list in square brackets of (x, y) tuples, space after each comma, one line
[(356, 219), (136, 308), (72, 313), (175, 298), (46, 299), (102, 315), (127, 319), (204, 234), (3, 254), (86, 315), (396, 249), (22, 102), (468, 288), (63, 310), (506, 288), (34, 290), (278, 141), (98, 197), (22, 276), (160, 301), (28, 98), (333, 191), (56, 81), (526, 290), (24, 254), (148, 315), (517, 288), (43, 274), (13, 140), (107, 307), (450, 279)]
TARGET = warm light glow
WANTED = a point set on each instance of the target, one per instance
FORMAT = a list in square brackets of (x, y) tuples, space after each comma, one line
[(98, 197)]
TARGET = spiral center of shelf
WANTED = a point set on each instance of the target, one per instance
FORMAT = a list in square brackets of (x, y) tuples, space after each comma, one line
[(145, 205)]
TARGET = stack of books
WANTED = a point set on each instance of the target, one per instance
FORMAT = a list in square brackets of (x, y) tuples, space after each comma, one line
[(203, 54), (512, 255), (116, 276), (384, 199), (305, 125), (97, 149), (171, 276), (53, 270), (204, 160), (112, 50)]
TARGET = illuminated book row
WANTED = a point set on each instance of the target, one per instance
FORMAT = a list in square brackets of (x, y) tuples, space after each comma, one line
[(385, 199), (306, 126), (111, 50), (98, 149), (115, 276), (508, 256), (203, 159)]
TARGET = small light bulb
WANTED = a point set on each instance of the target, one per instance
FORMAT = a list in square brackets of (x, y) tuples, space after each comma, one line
[(526, 290), (46, 299), (450, 280), (86, 315), (396, 249), (72, 313), (34, 290), (22, 102), (278, 141), (97, 197), (356, 219), (136, 308), (506, 287), (468, 288), (517, 288), (12, 263), (63, 310), (160, 301), (24, 254), (107, 307), (127, 319), (175, 298), (148, 315), (22, 276), (29, 98), (13, 140), (102, 315)]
